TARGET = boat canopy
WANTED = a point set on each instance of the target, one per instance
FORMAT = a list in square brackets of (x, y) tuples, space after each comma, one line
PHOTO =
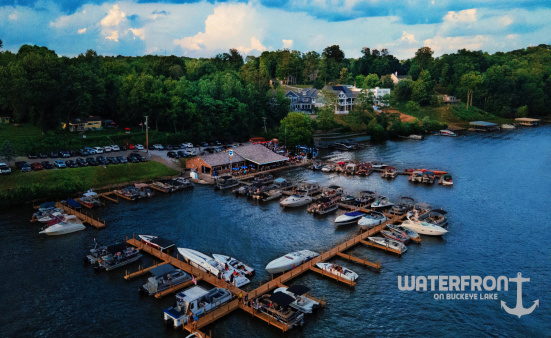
[(407, 198), (113, 249), (354, 213), (439, 211), (447, 176), (162, 270), (89, 193), (47, 205), (324, 200), (73, 204), (298, 290), (280, 180), (341, 163), (333, 187), (368, 192), (281, 299), (428, 173)]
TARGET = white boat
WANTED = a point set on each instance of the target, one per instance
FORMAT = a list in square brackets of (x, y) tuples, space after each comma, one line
[(53, 216), (424, 228), (446, 132), (416, 137), (396, 235), (381, 202), (269, 195), (299, 198), (209, 264), (70, 223), (403, 231), (301, 303), (338, 270), (234, 263), (157, 242), (349, 218), (389, 243), (326, 169), (372, 219), (290, 261), (377, 165), (446, 180), (507, 126)]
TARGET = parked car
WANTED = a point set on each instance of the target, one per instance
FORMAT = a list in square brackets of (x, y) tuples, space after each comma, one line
[(132, 159), (92, 161), (217, 143), (32, 156), (82, 162), (107, 149), (54, 154), (64, 154), (102, 160), (90, 151), (152, 147), (73, 153), (115, 147), (43, 155), (36, 166), (121, 159), (172, 154), (204, 144), (47, 165), (5, 169), (158, 147), (99, 150), (60, 164), (139, 147), (20, 164), (112, 160), (131, 147), (71, 164), (123, 147), (83, 152), (188, 145), (176, 146), (181, 153)]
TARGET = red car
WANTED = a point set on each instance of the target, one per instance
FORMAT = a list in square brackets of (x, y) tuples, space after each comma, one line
[(36, 166), (131, 146)]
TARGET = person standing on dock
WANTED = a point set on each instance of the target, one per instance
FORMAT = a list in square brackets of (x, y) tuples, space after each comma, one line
[(246, 301), (240, 296), (196, 319)]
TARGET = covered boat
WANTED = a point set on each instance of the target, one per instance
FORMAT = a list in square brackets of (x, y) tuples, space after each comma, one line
[(301, 303), (389, 172), (281, 183), (73, 204), (69, 224), (117, 255), (405, 205), (389, 243), (90, 199), (416, 176), (349, 218), (446, 180), (290, 261), (157, 242), (381, 202), (277, 306), (164, 277), (339, 271)]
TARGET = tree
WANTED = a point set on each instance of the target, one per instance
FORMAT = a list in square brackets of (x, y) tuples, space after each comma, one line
[(423, 57), (385, 101), (471, 81), (1, 44), (522, 111), (362, 111), (326, 115), (375, 130), (333, 52), (372, 81), (7, 151), (296, 129), (343, 76)]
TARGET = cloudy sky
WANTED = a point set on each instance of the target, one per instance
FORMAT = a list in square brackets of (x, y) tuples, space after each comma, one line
[(204, 28)]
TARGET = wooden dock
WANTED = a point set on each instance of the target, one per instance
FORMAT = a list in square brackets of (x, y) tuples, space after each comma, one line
[(122, 196), (84, 218), (330, 275), (141, 271), (106, 196), (175, 288)]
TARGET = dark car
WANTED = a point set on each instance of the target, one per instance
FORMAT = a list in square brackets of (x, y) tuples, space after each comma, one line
[(36, 166), (54, 154), (47, 165), (73, 153), (43, 155), (26, 167), (121, 159), (175, 147), (20, 164), (64, 154), (71, 164), (122, 147), (168, 147), (172, 154), (102, 160), (204, 144), (132, 159), (112, 160), (83, 152), (181, 154), (32, 156), (151, 147), (82, 162), (92, 161), (139, 156), (217, 143), (210, 150)]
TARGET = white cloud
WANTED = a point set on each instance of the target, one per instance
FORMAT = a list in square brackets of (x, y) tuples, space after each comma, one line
[(441, 45), (13, 16), (287, 44), (408, 37), (80, 31), (138, 32), (114, 17), (505, 21), (255, 45), (467, 15), (114, 36)]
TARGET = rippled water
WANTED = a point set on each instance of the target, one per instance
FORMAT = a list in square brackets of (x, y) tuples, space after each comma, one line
[(499, 225)]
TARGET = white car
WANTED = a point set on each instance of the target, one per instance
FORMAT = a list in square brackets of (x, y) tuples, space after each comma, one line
[(60, 164), (107, 149), (139, 147), (158, 147), (90, 151), (115, 147), (188, 145), (99, 150), (4, 169)]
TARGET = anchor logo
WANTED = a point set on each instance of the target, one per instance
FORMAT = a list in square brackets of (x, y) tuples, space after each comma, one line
[(519, 310)]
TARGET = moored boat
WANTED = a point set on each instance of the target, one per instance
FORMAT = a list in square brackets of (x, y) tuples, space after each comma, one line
[(395, 236), (405, 205), (424, 228), (234, 263), (389, 172), (372, 219), (389, 243), (381, 203), (446, 132), (446, 180), (349, 218), (226, 182), (117, 255), (157, 242), (297, 199), (507, 126), (339, 271), (290, 261), (301, 303), (162, 278), (405, 231), (67, 225)]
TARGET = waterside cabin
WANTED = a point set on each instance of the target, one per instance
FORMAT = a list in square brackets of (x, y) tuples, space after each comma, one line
[(483, 126), (525, 121)]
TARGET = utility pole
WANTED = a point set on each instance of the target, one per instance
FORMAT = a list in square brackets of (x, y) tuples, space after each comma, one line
[(146, 135), (264, 118)]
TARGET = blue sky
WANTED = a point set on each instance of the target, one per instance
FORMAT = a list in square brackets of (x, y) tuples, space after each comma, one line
[(205, 28)]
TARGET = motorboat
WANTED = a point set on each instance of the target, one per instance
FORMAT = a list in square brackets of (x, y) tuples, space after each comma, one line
[(413, 137), (405, 205), (347, 199), (277, 307), (339, 271), (281, 183), (377, 165), (324, 205), (350, 169), (234, 263), (46, 217), (508, 126), (395, 236), (311, 187), (327, 169), (290, 261), (372, 219), (389, 243), (196, 300), (46, 206), (269, 195), (389, 172), (89, 199), (69, 224), (162, 278), (187, 183), (366, 197), (349, 218), (424, 228), (381, 203), (403, 231), (332, 191), (365, 169), (242, 190), (419, 212), (226, 182), (436, 172), (447, 132), (428, 177), (438, 217), (297, 199), (157, 242), (446, 180), (209, 264), (343, 146), (416, 176), (301, 303), (115, 256)]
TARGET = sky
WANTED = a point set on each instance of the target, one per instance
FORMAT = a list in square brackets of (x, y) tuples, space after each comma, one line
[(197, 28)]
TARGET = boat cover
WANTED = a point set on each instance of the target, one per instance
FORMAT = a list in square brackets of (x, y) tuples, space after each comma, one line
[(88, 194), (280, 180), (428, 173), (163, 243), (73, 204), (439, 211), (47, 205), (354, 213), (162, 270), (324, 200), (113, 249), (281, 299), (333, 187), (298, 290)]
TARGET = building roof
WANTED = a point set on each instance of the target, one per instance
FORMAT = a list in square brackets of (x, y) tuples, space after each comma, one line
[(259, 154), (93, 119), (483, 124), (221, 158), (345, 89), (526, 119)]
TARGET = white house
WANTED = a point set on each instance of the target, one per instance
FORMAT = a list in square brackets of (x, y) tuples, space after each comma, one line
[(347, 96), (378, 94), (302, 101)]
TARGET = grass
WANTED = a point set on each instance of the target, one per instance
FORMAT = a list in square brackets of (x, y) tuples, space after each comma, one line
[(456, 114)]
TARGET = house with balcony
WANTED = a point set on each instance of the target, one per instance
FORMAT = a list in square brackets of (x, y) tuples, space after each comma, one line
[(302, 101)]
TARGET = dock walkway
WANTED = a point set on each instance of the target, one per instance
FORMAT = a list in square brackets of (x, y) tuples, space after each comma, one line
[(84, 218)]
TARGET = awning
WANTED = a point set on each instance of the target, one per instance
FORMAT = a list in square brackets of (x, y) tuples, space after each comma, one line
[(113, 249), (281, 299), (244, 167), (162, 270), (280, 180), (298, 290), (73, 204), (47, 205), (439, 211)]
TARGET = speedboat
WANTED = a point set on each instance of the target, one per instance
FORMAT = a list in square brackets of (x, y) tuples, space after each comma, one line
[(395, 235), (507, 126), (326, 169), (389, 243), (301, 303), (234, 263), (372, 218), (424, 228), (438, 217), (406, 204), (299, 198), (349, 218), (446, 132), (269, 195), (419, 212), (157, 242), (446, 180), (70, 223), (381, 202), (290, 261), (338, 270), (377, 165), (348, 199), (209, 264), (52, 217), (403, 231), (366, 197)]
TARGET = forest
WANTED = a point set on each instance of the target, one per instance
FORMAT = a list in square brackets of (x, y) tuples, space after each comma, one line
[(229, 95)]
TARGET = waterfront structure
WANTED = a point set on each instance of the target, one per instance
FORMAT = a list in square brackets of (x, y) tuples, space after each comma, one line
[(525, 121), (90, 123), (347, 96), (450, 100), (483, 126), (302, 101)]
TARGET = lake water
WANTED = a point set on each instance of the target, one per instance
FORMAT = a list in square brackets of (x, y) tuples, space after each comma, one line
[(500, 218)]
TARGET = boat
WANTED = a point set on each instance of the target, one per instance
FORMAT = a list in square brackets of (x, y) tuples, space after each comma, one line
[(350, 169), (297, 199), (323, 206), (196, 300), (395, 236), (389, 172), (115, 256), (366, 197), (311, 187), (235, 264), (343, 146), (187, 183), (389, 243), (242, 190), (416, 176), (381, 203), (263, 179), (347, 199), (332, 191), (365, 169), (290, 261), (46, 206), (413, 137), (405, 205), (268, 195), (446, 180), (209, 264), (327, 169), (225, 182), (428, 177), (338, 270), (447, 132), (438, 217), (349, 218), (372, 219), (281, 183), (277, 307), (508, 126), (90, 199), (424, 228), (68, 224), (157, 242), (164, 277), (403, 231), (377, 165), (436, 172), (419, 212), (46, 217), (301, 303)]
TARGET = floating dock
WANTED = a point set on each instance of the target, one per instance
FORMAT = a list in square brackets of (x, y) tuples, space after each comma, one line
[(84, 218)]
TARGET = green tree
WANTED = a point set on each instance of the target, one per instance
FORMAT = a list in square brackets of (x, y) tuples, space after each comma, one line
[(362, 111), (471, 81), (343, 79), (326, 115), (372, 81), (522, 111), (7, 151), (376, 131), (1, 44), (296, 129), (385, 101)]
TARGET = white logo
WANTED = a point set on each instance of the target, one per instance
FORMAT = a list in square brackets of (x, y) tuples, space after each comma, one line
[(519, 310)]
